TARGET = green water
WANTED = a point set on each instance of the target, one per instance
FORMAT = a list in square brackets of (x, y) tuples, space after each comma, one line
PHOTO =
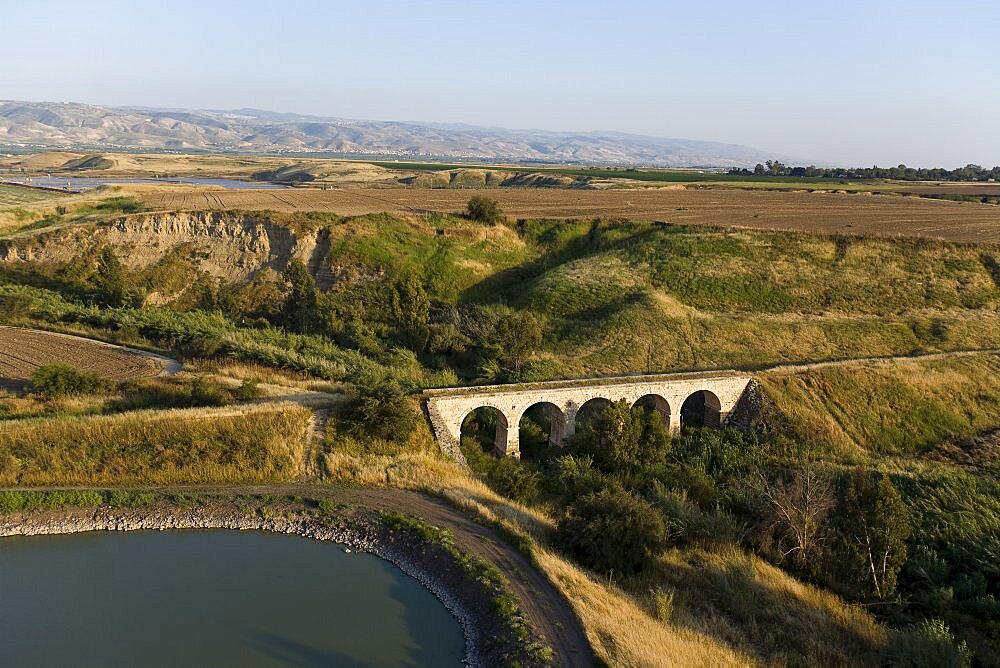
[(212, 598)]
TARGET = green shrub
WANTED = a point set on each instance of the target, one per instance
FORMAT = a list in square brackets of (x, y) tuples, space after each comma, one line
[(929, 644), (380, 409), (572, 476), (207, 392), (248, 390), (484, 210), (61, 380), (514, 480), (612, 531)]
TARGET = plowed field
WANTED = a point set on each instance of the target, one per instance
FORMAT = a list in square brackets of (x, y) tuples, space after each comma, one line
[(22, 351), (856, 214)]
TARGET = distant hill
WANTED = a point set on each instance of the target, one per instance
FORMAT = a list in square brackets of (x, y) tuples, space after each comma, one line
[(71, 125)]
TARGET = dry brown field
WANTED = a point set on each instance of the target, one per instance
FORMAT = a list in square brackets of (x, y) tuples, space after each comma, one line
[(831, 213), (22, 351)]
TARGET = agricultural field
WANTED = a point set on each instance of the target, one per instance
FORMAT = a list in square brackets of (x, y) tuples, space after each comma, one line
[(23, 351), (817, 213), (17, 195)]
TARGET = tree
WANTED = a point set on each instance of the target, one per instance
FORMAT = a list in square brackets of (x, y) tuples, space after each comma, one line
[(799, 505), (612, 531), (517, 336), (299, 310), (624, 439), (380, 409), (484, 210), (510, 477), (410, 310), (872, 525), (110, 280)]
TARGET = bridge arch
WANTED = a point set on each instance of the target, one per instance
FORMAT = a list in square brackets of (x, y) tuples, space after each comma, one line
[(655, 402), (701, 409), (483, 423), (590, 410), (540, 425)]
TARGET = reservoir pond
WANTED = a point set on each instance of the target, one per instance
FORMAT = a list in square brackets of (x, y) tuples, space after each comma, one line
[(213, 598)]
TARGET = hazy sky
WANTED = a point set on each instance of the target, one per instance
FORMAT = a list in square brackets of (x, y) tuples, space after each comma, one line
[(836, 82)]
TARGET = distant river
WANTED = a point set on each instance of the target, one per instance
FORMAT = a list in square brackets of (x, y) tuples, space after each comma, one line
[(78, 184), (212, 598)]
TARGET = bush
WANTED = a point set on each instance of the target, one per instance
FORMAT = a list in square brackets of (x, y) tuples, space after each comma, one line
[(573, 476), (514, 480), (206, 392), (612, 531), (248, 391), (929, 643), (382, 410), (484, 210), (61, 380)]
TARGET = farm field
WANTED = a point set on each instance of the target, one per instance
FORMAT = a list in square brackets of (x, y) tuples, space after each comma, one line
[(16, 195), (829, 213), (23, 351)]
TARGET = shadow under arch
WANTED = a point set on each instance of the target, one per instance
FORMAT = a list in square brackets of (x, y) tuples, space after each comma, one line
[(654, 402), (542, 426), (590, 410), (486, 427), (701, 409)]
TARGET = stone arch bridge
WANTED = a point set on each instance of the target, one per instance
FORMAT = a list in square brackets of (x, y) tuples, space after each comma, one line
[(713, 395)]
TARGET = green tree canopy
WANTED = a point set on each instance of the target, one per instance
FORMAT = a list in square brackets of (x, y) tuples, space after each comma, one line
[(871, 525), (612, 531), (484, 210), (299, 310)]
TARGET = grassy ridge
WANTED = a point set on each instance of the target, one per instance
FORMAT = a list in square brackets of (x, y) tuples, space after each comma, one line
[(188, 446), (905, 408)]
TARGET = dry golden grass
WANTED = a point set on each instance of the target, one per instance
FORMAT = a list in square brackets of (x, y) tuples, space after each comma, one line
[(889, 408), (264, 443), (878, 215), (747, 604), (624, 634)]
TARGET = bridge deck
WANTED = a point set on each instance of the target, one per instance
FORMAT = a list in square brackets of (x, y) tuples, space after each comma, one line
[(592, 381)]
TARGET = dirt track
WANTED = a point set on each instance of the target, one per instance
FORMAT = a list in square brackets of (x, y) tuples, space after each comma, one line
[(859, 214), (544, 605)]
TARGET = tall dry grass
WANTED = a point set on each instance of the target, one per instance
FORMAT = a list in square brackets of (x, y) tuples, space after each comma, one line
[(899, 408), (246, 444)]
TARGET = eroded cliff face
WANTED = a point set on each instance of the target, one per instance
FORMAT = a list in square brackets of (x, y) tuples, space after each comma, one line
[(232, 246)]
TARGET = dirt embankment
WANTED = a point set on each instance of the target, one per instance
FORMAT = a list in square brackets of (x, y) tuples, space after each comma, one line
[(229, 245)]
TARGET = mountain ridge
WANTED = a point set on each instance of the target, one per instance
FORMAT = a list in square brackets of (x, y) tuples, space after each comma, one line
[(74, 125)]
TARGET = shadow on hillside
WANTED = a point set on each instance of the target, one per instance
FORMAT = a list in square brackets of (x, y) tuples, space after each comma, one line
[(507, 285), (759, 610)]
